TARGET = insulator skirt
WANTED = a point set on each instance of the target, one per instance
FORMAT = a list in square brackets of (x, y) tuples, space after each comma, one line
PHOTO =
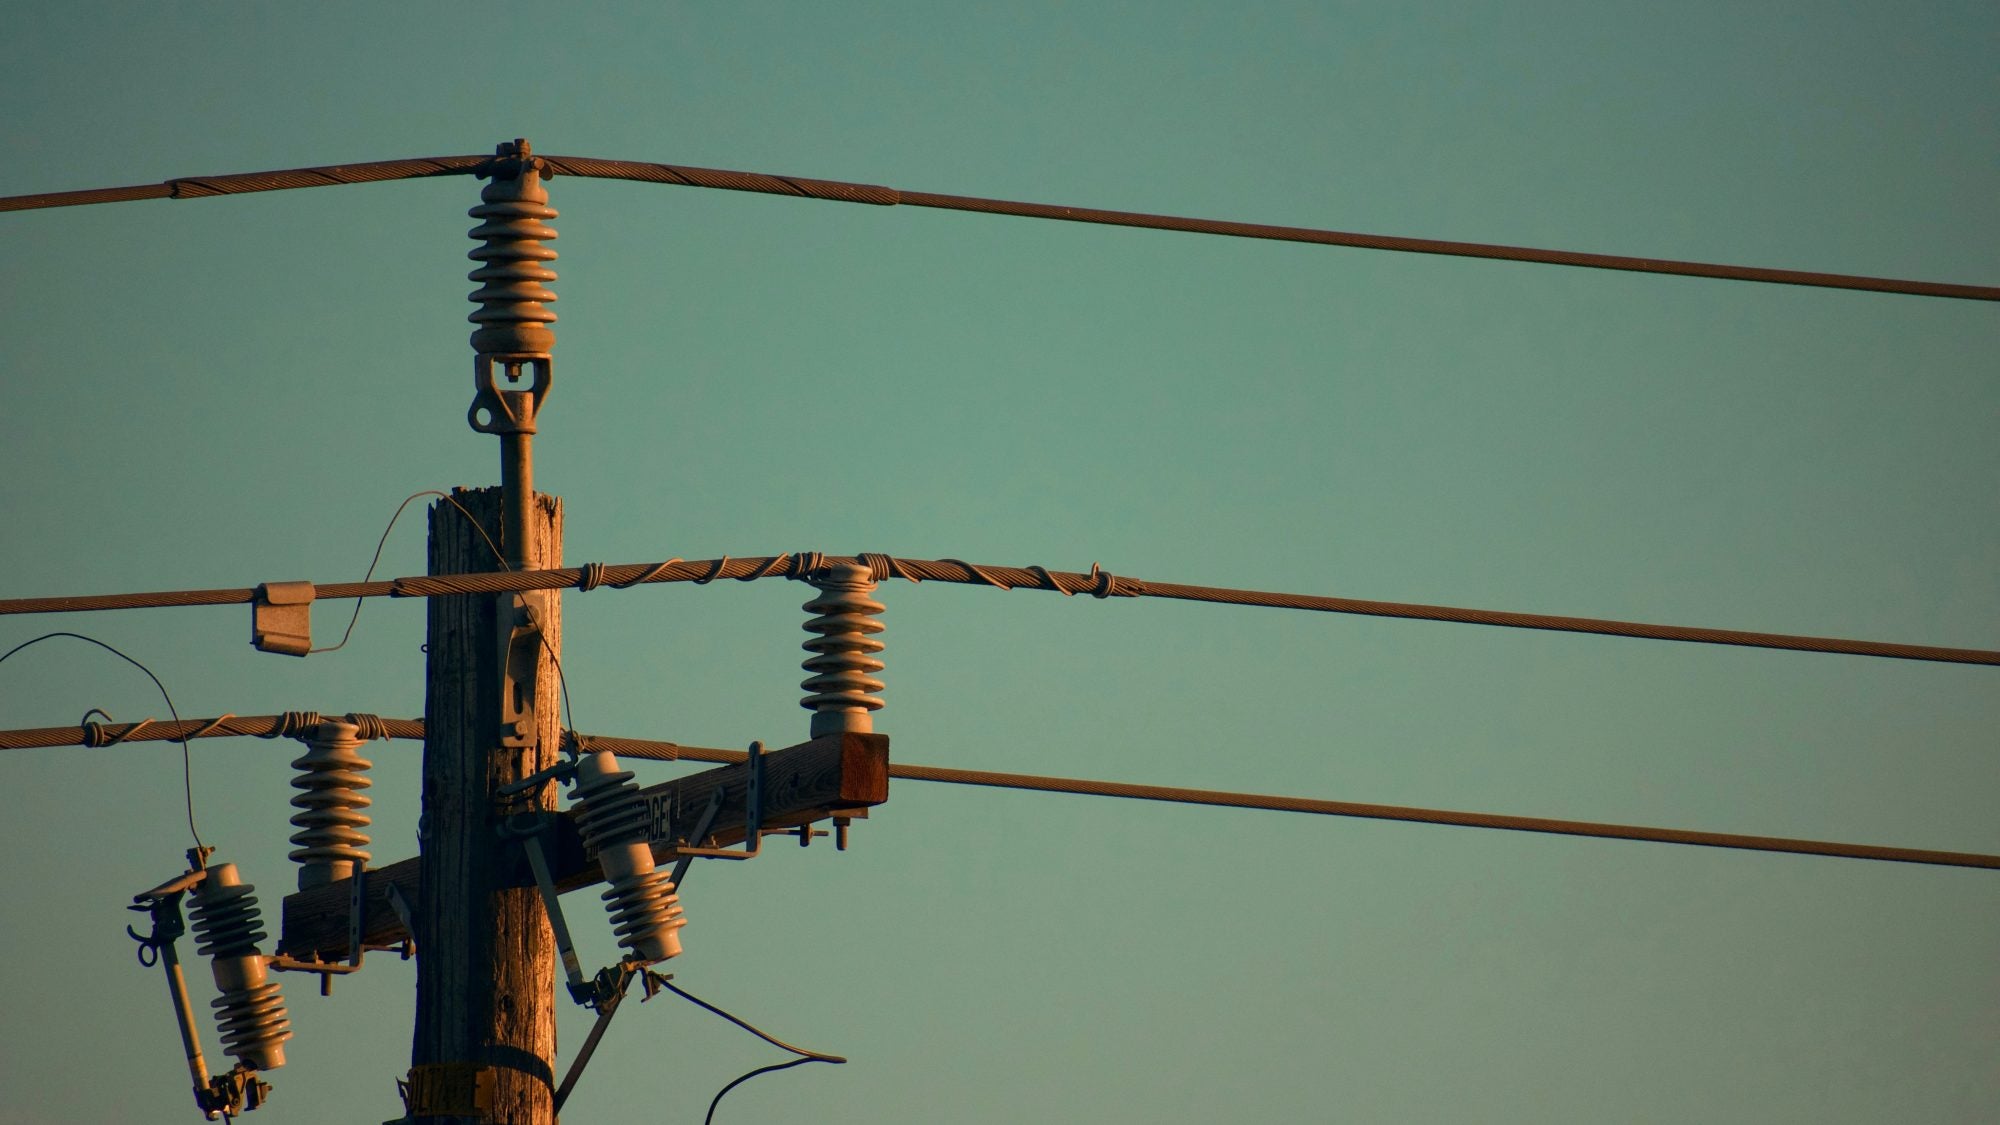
[(253, 1025), (612, 817), (513, 293), (843, 688), (331, 838), (645, 915), (226, 920)]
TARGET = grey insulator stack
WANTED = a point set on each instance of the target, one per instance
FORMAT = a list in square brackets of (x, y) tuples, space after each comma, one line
[(249, 1013), (513, 275), (843, 686), (645, 912), (332, 842)]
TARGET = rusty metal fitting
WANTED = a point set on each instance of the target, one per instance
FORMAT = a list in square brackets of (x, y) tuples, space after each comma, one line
[(843, 686), (333, 843), (250, 1013), (645, 911)]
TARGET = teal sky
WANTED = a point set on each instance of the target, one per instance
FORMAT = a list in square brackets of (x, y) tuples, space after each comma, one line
[(228, 391)]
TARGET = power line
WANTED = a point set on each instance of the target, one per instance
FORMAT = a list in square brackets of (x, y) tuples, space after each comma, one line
[(669, 751), (1097, 583), (840, 191)]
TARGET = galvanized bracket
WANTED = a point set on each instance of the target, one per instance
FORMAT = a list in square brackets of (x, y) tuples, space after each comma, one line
[(495, 410), (527, 828), (520, 670), (281, 617), (753, 819)]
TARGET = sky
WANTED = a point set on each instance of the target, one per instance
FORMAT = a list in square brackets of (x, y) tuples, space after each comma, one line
[(223, 392)]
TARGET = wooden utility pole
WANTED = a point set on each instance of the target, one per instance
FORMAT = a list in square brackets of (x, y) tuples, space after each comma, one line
[(486, 961), (485, 1041)]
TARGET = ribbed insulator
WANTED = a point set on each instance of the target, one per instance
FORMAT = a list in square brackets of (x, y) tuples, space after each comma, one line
[(226, 920), (332, 843), (513, 276), (249, 1012), (843, 664), (645, 912), (253, 1025)]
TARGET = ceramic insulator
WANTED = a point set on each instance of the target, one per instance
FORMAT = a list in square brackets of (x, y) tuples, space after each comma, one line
[(249, 1013), (843, 686), (645, 911), (513, 275), (331, 840)]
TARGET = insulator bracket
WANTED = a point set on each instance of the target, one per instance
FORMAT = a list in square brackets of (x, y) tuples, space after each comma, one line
[(499, 410)]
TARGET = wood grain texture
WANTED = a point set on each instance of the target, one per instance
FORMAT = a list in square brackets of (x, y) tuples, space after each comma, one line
[(485, 955)]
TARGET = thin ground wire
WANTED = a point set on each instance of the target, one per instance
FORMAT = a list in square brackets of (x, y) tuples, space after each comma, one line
[(878, 195), (805, 1056), (187, 758), (373, 562), (1097, 583), (652, 750)]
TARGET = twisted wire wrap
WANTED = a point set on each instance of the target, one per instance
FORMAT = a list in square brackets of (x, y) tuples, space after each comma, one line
[(1097, 583), (94, 736), (369, 727), (332, 843), (882, 196), (842, 687), (293, 724)]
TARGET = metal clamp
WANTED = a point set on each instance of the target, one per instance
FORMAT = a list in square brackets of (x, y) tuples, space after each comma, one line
[(507, 411), (753, 819), (281, 617)]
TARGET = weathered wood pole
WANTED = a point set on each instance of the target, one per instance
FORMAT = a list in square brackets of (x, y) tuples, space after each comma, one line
[(485, 956)]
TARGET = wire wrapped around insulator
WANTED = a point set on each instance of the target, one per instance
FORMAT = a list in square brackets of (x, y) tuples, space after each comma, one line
[(513, 276), (843, 686), (612, 816), (250, 1013), (332, 843)]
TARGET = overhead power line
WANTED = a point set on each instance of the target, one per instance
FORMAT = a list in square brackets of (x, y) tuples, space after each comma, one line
[(195, 187), (265, 725), (1097, 583)]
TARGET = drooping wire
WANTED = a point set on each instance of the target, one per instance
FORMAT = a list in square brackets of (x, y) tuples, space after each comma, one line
[(376, 561), (805, 1056), (741, 1079), (187, 759)]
